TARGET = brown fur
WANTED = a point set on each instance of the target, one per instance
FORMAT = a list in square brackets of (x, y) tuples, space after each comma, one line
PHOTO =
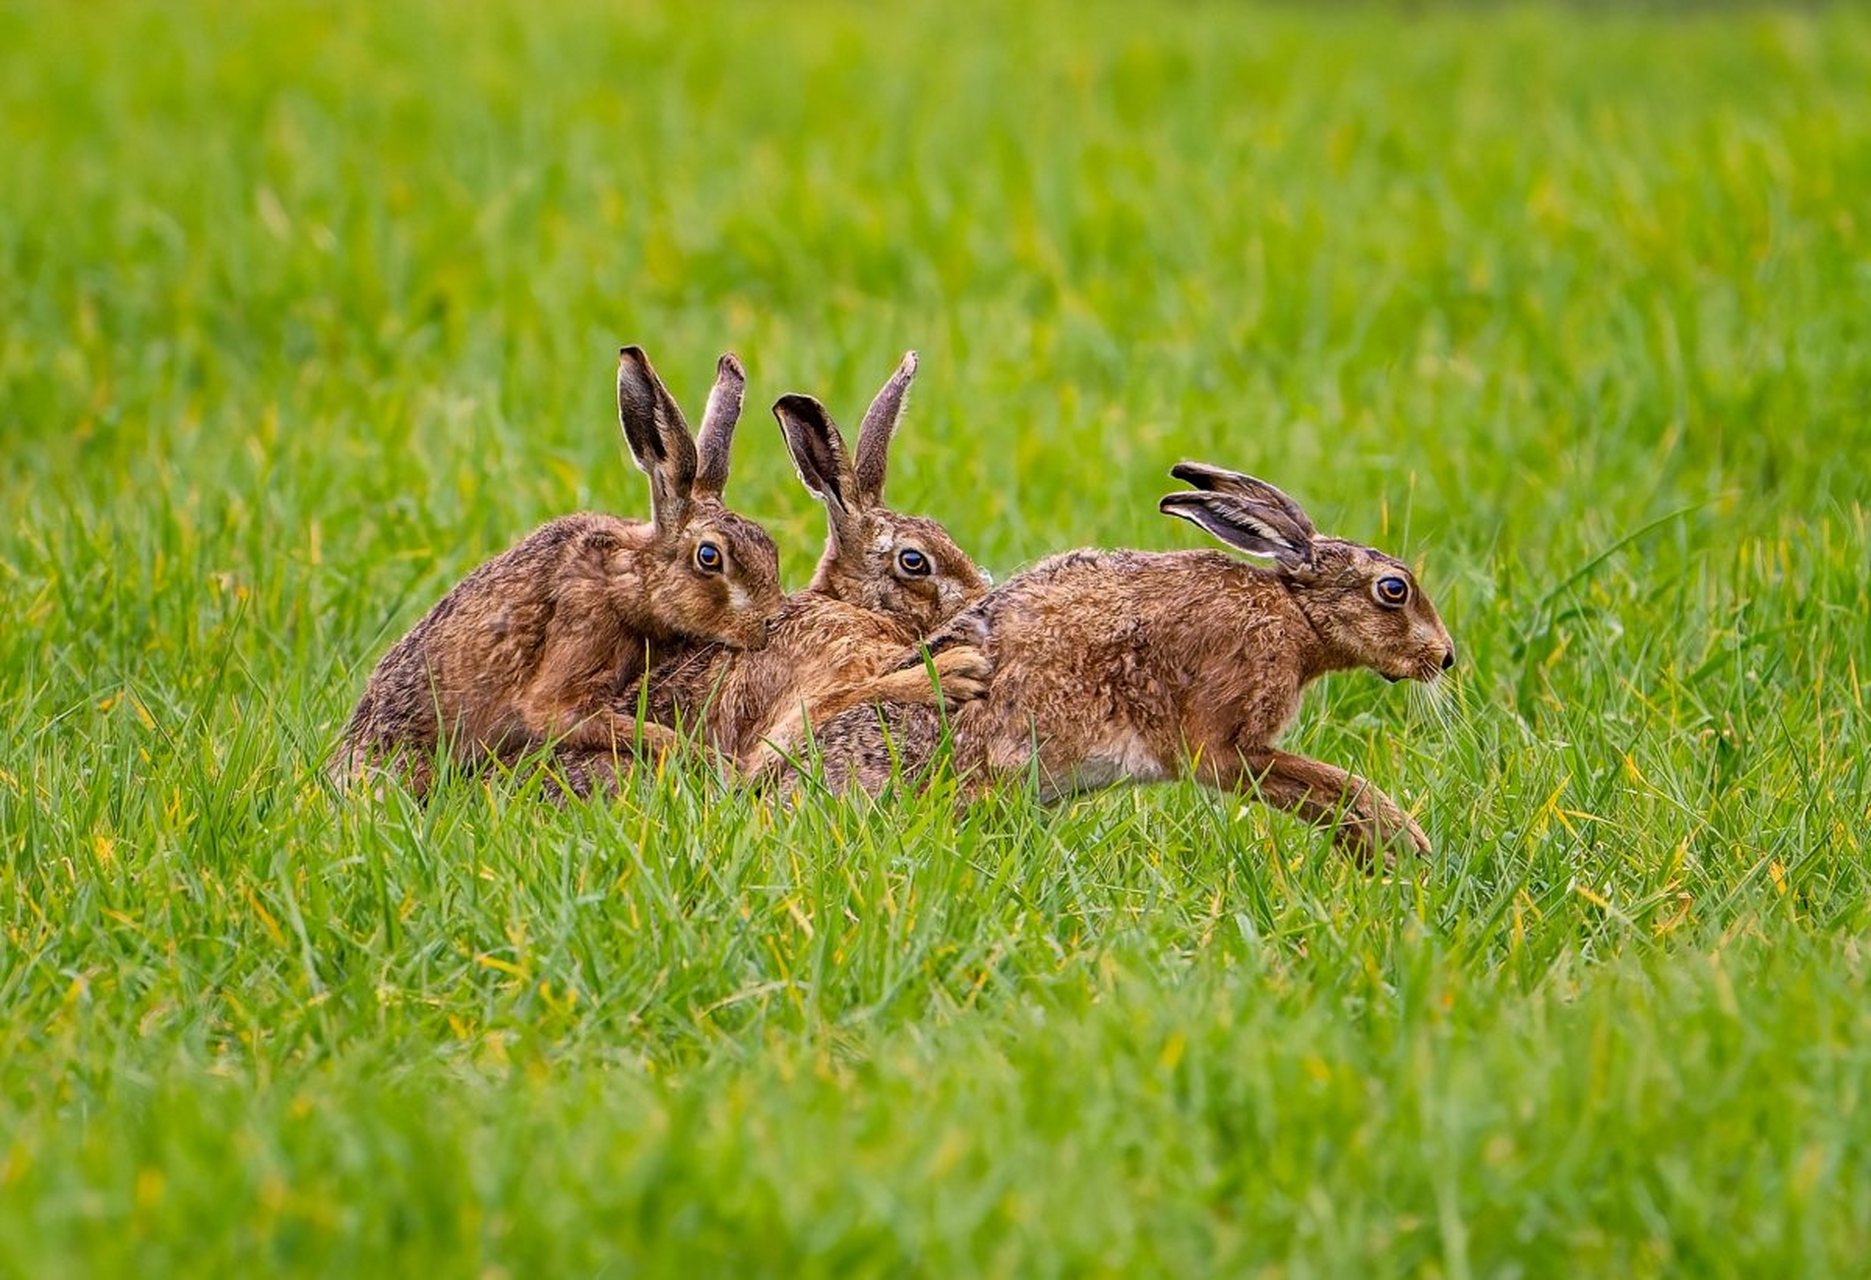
[(533, 646), (1132, 666), (845, 639)]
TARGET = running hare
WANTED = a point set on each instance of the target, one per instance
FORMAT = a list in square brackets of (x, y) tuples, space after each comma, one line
[(1133, 666)]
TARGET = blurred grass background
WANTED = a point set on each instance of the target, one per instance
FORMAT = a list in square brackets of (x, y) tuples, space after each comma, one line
[(306, 309)]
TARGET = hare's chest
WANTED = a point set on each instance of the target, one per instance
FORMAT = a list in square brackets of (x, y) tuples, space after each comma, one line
[(1254, 710)]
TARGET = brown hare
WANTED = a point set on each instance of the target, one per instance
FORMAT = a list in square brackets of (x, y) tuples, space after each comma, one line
[(884, 582), (1133, 666), (533, 646)]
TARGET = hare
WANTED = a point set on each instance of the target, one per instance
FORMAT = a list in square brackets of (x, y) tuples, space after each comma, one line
[(885, 581), (532, 647), (1133, 666)]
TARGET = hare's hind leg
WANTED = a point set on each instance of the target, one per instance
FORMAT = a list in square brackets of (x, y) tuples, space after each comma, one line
[(607, 731), (1366, 823), (582, 773), (594, 757), (361, 768)]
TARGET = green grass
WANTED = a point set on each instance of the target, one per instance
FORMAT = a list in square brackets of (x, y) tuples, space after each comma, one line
[(308, 309)]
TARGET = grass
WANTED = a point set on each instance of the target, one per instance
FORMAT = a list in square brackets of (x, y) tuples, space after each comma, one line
[(308, 309)]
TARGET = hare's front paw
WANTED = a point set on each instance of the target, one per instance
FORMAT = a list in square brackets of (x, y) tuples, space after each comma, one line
[(1374, 828), (964, 672), (1357, 840)]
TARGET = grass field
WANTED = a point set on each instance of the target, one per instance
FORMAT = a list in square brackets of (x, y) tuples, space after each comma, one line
[(305, 310)]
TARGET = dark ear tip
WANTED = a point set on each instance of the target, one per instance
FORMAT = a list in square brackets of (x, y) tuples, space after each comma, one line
[(1171, 503), (795, 405), (632, 354), (730, 364)]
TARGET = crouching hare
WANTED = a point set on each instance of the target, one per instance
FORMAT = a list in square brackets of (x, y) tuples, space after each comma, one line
[(533, 646), (885, 581), (1133, 666)]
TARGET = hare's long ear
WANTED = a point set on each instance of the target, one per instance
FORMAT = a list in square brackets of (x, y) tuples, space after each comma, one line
[(880, 423), (658, 438), (818, 453), (1258, 527), (716, 436), (1294, 523)]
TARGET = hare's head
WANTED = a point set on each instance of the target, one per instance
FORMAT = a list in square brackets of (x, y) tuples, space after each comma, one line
[(904, 566), (712, 574), (1365, 605)]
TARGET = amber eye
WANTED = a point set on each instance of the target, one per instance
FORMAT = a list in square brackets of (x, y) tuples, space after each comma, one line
[(708, 557), (912, 563), (1392, 592)]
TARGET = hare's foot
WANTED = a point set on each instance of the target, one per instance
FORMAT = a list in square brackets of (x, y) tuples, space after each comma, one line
[(1366, 823), (964, 673)]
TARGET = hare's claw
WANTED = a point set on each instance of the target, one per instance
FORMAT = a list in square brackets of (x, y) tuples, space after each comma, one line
[(964, 671), (1373, 840), (959, 690)]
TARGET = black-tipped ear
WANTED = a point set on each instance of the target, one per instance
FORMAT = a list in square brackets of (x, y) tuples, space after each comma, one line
[(638, 406), (879, 425), (1253, 527), (1246, 487), (818, 450), (657, 435), (719, 418)]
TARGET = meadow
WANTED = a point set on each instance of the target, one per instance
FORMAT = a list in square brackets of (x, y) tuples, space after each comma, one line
[(307, 309)]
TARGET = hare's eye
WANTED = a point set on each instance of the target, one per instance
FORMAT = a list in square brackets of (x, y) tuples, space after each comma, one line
[(1391, 592), (708, 557), (912, 563)]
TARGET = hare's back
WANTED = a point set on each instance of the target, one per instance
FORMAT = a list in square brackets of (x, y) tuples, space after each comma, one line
[(484, 634), (1085, 600)]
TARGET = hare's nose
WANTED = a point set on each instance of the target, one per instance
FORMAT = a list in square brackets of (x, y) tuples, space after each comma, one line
[(1448, 657)]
